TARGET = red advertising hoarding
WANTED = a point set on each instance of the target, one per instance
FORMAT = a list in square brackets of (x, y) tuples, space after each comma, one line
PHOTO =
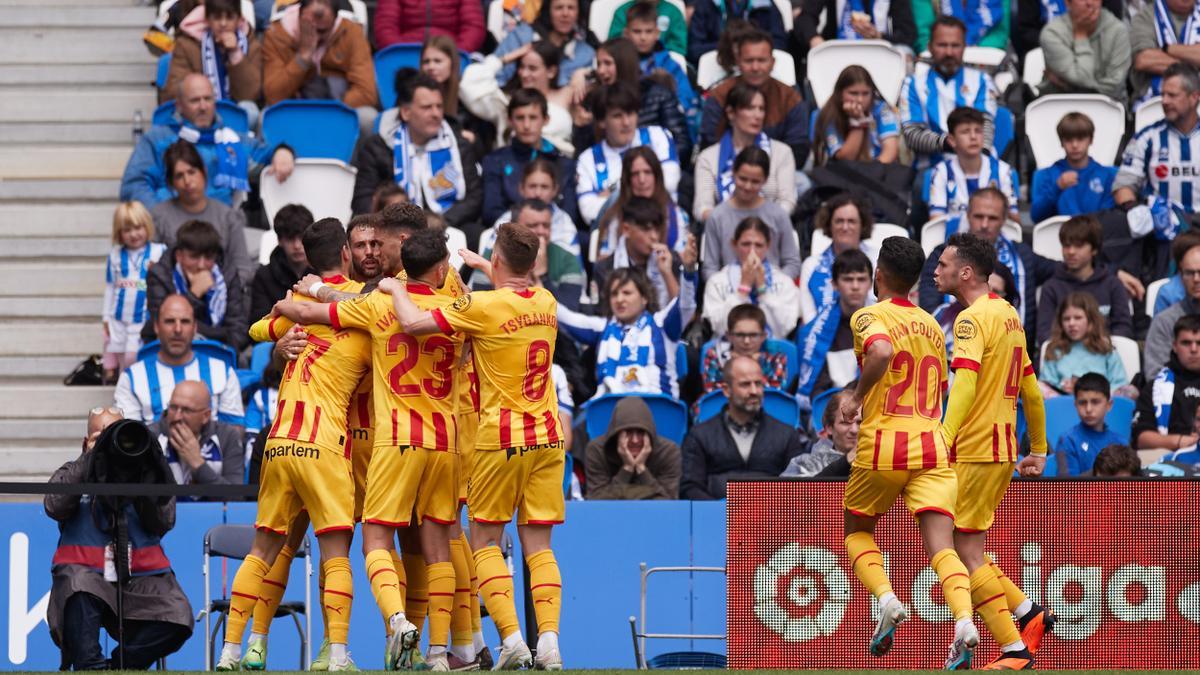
[(1118, 561)]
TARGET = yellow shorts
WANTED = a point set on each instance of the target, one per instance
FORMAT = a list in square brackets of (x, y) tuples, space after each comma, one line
[(468, 426), (360, 459), (528, 483), (981, 487), (406, 483), (871, 493), (298, 476)]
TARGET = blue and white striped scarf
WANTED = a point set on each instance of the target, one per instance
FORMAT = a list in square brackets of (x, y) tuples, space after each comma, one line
[(630, 358), (725, 157), (1008, 255), (813, 344), (214, 66), (435, 180), (1164, 32), (233, 162), (1162, 395), (980, 16), (958, 192), (1051, 9), (215, 298), (820, 284)]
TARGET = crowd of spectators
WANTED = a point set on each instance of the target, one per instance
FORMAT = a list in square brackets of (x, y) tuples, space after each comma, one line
[(690, 235)]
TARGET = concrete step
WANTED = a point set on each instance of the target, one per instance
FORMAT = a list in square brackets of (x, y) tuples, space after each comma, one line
[(21, 220), (75, 104), (51, 339), (50, 401), (58, 74), (76, 17), (73, 45), (36, 462), (55, 429), (47, 369), (20, 279), (92, 248), (25, 190), (104, 133), (63, 161), (39, 307)]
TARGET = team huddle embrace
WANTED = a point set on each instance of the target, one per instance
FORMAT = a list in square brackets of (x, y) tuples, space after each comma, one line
[(407, 399), (952, 472)]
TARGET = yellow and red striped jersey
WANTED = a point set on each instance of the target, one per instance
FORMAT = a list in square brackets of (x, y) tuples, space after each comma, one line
[(316, 389), (361, 414), (413, 376), (271, 328), (902, 411), (990, 340), (512, 335)]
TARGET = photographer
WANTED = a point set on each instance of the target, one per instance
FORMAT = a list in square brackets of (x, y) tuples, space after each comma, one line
[(84, 594)]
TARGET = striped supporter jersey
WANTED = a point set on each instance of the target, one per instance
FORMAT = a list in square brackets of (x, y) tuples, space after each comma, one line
[(1166, 163), (989, 339), (512, 335), (902, 411), (413, 376)]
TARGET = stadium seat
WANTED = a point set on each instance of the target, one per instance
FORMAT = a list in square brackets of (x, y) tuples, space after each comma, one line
[(210, 348), (1013, 231), (394, 57), (785, 12), (600, 16), (234, 117), (357, 12), (882, 231), (1035, 68), (1042, 117), (681, 360), (1130, 353), (325, 186), (1152, 295), (709, 72), (496, 21), (593, 250), (1045, 237), (776, 403), (670, 414), (1147, 113), (1061, 416), (933, 234), (984, 57), (827, 60), (294, 121), (818, 408), (260, 356)]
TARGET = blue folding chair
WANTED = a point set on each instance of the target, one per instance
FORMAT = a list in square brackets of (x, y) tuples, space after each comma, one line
[(670, 415), (777, 403), (313, 128), (231, 115), (390, 59), (818, 408), (260, 356), (211, 348)]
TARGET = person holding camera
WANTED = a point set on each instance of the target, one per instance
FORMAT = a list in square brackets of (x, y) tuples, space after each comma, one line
[(84, 594), (199, 449)]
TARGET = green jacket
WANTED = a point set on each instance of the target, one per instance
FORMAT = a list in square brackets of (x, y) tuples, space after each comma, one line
[(674, 38)]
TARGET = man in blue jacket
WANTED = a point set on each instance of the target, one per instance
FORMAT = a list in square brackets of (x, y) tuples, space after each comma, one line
[(227, 155)]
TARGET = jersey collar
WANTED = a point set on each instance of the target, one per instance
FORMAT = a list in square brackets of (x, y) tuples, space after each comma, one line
[(902, 302), (418, 288), (335, 279)]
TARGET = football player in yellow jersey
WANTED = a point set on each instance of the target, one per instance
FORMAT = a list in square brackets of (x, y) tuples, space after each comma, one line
[(992, 369), (306, 464), (519, 457), (902, 352)]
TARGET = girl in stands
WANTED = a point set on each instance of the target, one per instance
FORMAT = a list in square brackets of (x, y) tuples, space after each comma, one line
[(125, 310), (847, 223), (856, 123), (641, 176), (1079, 344), (753, 279)]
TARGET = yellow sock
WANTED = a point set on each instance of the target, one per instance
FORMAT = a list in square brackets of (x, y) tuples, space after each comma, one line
[(460, 617), (867, 563), (441, 601), (402, 574), (545, 584), (338, 595), (988, 596), (956, 584), (416, 603), (496, 585), (476, 619), (321, 595), (271, 591), (385, 583), (1013, 595), (244, 595)]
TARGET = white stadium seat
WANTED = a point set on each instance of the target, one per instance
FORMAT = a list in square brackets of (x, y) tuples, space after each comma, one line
[(325, 186), (1152, 295), (886, 64), (1042, 117), (1035, 68), (1045, 237)]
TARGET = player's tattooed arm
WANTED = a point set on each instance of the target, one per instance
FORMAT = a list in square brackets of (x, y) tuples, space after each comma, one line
[(303, 312), (312, 286)]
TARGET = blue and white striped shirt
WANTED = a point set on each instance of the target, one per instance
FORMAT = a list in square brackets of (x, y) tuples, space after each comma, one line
[(1164, 162), (125, 282), (928, 98), (144, 389)]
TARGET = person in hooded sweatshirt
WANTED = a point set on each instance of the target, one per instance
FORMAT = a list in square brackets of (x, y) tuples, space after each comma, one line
[(631, 461), (1079, 271), (1165, 416)]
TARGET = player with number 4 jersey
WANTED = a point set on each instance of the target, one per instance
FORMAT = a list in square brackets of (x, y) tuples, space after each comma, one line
[(902, 353), (992, 371)]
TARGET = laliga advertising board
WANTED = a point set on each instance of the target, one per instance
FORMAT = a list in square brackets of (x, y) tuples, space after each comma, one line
[(1118, 561)]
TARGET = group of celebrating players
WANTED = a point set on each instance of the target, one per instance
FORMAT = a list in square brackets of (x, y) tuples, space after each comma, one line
[(954, 472), (406, 397)]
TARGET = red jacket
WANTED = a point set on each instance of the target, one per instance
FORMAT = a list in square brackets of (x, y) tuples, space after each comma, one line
[(406, 21)]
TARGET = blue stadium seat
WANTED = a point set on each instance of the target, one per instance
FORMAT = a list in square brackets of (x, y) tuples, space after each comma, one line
[(1061, 416), (234, 117), (776, 403), (681, 360), (297, 122), (670, 415), (818, 407), (204, 346), (259, 358), (394, 57)]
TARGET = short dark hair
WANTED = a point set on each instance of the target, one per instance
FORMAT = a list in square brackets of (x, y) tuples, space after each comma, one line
[(403, 217), (989, 191), (1115, 459), (974, 252), (1075, 125), (531, 204), (618, 96), (292, 220), (526, 97), (518, 245), (752, 223), (544, 165), (198, 237), (900, 263), (406, 90), (851, 261), (1183, 243), (754, 156), (362, 220), (386, 190), (829, 416), (323, 244), (1093, 382), (182, 151), (963, 115), (1187, 73), (1188, 323), (630, 275), (423, 250), (750, 37), (742, 95), (949, 21), (746, 312), (1081, 230), (642, 212), (222, 8), (643, 10)]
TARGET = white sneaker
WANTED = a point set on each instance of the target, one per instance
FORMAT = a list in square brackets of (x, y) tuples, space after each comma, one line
[(966, 638), (229, 662), (549, 659), (890, 615), (400, 645), (438, 663), (516, 658)]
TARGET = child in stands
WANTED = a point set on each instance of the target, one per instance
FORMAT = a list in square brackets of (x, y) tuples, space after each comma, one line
[(1076, 184), (1079, 344), (955, 179), (1077, 449), (642, 29), (125, 286)]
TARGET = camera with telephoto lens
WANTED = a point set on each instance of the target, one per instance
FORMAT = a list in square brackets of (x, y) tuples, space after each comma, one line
[(127, 452)]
